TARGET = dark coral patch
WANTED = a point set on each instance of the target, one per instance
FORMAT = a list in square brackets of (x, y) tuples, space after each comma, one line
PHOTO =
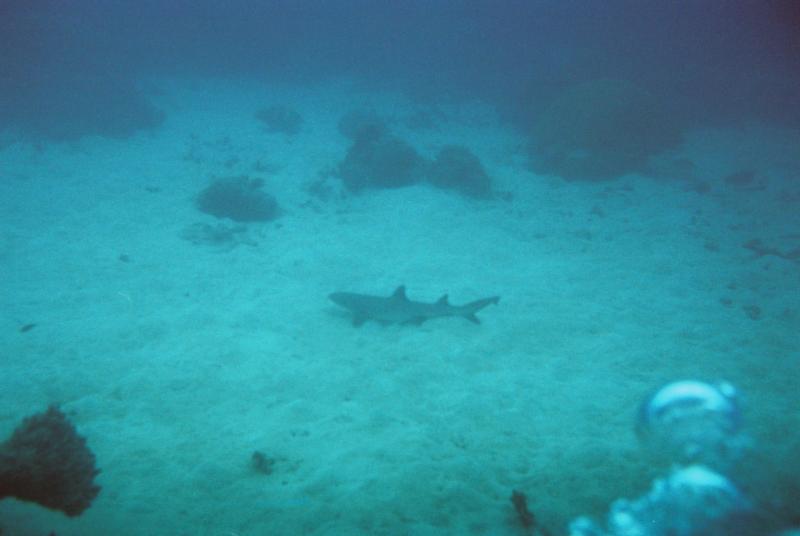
[(382, 161), (239, 199), (45, 461), (280, 119), (602, 129), (457, 168), (362, 124)]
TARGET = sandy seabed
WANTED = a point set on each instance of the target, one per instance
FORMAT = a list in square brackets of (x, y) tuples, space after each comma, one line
[(178, 360)]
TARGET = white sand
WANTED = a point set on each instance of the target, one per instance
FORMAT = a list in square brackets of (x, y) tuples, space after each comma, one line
[(180, 363)]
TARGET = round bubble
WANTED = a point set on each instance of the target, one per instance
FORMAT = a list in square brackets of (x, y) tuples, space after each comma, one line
[(691, 421), (691, 501)]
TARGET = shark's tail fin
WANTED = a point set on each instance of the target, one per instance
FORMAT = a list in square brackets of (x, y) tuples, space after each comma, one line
[(473, 307)]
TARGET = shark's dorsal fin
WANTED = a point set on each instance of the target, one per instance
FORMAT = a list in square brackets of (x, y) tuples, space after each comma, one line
[(443, 301), (400, 293)]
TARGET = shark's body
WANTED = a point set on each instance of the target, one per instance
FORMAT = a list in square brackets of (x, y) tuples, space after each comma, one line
[(398, 309)]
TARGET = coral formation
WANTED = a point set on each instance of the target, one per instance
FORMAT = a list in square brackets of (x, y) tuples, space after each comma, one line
[(238, 198), (280, 119), (600, 130), (380, 161), (457, 168), (362, 124), (45, 461), (261, 463), (760, 249), (70, 107)]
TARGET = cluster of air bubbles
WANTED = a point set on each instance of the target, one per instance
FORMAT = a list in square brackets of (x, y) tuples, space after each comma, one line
[(691, 501), (696, 427), (690, 422)]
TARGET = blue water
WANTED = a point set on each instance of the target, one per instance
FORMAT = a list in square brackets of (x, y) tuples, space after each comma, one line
[(183, 185)]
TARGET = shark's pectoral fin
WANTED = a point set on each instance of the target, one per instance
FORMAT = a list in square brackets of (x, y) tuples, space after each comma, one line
[(416, 321), (359, 320), (472, 318)]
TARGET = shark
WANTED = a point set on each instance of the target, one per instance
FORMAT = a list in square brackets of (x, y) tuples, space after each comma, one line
[(398, 309)]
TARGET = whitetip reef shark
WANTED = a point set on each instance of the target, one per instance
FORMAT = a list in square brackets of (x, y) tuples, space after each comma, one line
[(398, 309)]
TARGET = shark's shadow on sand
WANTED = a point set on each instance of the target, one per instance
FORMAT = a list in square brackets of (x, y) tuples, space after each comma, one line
[(398, 309)]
